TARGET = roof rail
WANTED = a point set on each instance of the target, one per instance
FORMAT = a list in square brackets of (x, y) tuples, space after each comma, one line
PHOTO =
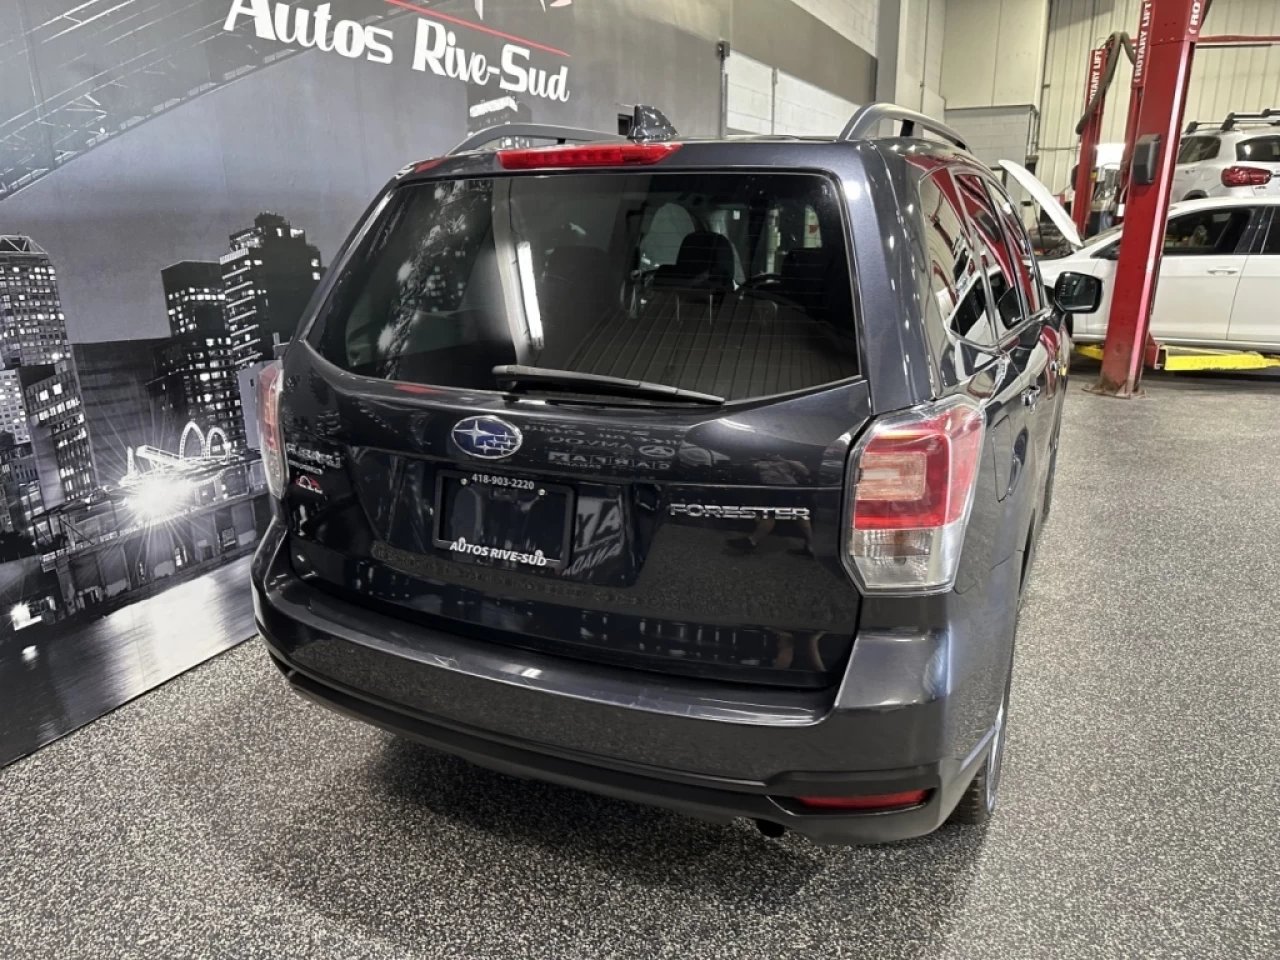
[(863, 123), (537, 131), (1269, 116)]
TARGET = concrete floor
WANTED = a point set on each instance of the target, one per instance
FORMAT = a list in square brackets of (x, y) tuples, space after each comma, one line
[(223, 817)]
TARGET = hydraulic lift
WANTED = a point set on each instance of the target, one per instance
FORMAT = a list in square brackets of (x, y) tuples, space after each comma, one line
[(1168, 33), (1166, 43)]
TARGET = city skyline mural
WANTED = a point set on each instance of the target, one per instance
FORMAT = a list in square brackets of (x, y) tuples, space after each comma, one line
[(176, 177)]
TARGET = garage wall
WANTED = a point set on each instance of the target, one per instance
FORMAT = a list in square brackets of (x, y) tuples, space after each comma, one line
[(994, 52), (853, 19), (786, 35), (764, 99), (909, 49), (920, 65), (996, 133), (1223, 79)]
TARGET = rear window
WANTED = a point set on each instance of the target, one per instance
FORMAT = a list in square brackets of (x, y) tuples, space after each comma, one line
[(732, 284), (1196, 149), (1259, 150)]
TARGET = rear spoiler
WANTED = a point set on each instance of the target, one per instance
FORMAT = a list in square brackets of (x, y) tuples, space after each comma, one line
[(648, 125)]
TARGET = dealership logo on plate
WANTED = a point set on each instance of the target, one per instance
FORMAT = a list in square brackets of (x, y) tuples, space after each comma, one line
[(488, 438)]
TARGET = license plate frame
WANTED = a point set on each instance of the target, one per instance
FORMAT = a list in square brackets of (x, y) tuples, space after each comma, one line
[(489, 555)]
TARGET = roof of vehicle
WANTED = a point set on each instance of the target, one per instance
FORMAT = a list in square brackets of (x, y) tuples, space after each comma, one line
[(754, 152), (919, 135), (1232, 124), (1247, 133), (1183, 206)]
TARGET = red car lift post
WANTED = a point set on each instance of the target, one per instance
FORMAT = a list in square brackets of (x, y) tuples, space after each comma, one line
[(1166, 75), (1136, 92), (1082, 204)]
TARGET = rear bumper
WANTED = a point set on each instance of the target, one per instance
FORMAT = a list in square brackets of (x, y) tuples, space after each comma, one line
[(713, 753)]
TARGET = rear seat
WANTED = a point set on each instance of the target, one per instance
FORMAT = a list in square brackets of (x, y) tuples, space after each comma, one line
[(705, 262)]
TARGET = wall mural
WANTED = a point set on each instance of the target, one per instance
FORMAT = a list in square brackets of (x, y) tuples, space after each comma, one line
[(175, 178)]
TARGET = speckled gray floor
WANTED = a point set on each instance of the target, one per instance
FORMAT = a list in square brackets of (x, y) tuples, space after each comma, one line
[(223, 817)]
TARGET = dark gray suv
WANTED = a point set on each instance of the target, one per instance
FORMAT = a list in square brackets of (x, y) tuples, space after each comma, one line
[(699, 473)]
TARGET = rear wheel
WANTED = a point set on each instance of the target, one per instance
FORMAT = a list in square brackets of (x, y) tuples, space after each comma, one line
[(979, 800)]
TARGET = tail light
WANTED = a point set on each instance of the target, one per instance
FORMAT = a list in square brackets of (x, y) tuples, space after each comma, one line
[(1245, 177), (270, 436), (596, 155), (913, 480)]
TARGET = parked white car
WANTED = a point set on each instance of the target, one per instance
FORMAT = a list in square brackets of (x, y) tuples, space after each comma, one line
[(1238, 159), (1219, 277)]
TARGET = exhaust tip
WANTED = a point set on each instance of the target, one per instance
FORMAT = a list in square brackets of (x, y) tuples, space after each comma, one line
[(770, 829)]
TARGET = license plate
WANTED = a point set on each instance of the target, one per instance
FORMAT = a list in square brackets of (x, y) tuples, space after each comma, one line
[(514, 522)]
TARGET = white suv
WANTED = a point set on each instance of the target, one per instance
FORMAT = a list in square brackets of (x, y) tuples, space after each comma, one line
[(1230, 161)]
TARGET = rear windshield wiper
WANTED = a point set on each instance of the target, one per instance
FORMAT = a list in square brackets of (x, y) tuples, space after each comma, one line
[(518, 378)]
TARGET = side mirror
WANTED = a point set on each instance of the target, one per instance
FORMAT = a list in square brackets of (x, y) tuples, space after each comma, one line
[(1077, 293)]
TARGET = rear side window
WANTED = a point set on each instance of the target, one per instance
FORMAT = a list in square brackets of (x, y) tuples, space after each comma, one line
[(955, 278), (1259, 150), (999, 262), (1271, 247), (1206, 233), (1196, 149), (1024, 262), (733, 284)]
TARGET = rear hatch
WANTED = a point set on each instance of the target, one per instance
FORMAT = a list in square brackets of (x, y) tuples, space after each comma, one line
[(603, 414)]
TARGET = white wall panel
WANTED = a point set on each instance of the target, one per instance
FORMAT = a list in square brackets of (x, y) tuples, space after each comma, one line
[(994, 53), (805, 110), (759, 103), (750, 107), (919, 67), (853, 19), (1223, 79)]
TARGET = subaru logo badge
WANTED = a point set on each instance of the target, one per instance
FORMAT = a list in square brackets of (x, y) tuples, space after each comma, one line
[(487, 437)]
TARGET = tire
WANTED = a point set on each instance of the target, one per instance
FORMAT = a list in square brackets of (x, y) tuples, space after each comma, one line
[(978, 803)]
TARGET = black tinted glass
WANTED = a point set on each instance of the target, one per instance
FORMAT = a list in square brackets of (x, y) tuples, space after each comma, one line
[(1259, 150), (954, 275), (1272, 245), (731, 284), (1206, 233), (1024, 263), (999, 261), (1196, 149)]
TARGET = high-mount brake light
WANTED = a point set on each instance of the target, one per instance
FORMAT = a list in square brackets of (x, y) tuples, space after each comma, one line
[(913, 478), (592, 155), (270, 434), (1245, 177)]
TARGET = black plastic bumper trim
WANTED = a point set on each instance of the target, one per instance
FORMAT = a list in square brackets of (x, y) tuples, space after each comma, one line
[(709, 798)]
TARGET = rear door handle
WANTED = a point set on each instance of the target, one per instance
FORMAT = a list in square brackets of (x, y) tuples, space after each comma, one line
[(1030, 397), (1223, 271)]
